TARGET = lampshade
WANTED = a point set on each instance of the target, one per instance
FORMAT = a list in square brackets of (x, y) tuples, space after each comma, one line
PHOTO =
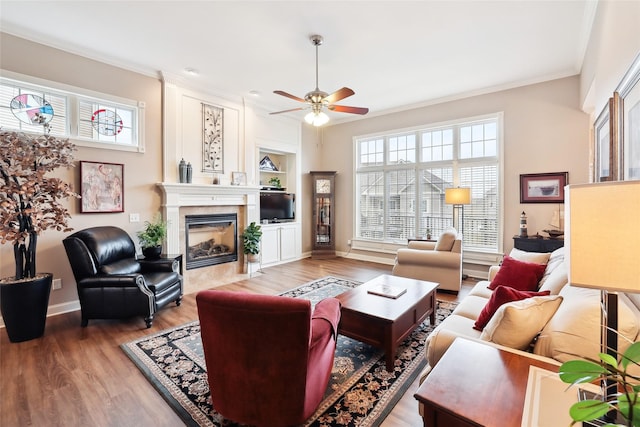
[(602, 235), (316, 118), (457, 196)]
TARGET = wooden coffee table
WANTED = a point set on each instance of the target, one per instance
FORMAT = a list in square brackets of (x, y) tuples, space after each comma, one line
[(476, 384), (385, 322)]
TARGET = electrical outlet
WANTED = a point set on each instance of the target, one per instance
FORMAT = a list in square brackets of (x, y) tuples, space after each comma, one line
[(57, 284), (134, 217)]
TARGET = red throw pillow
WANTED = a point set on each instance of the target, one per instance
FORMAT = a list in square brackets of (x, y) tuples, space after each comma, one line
[(502, 295), (520, 275)]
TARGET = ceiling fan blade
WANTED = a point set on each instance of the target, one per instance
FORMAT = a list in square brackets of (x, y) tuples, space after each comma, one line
[(288, 95), (345, 109), (338, 95), (286, 111)]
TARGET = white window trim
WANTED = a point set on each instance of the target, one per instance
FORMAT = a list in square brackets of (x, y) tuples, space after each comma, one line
[(73, 94), (477, 257)]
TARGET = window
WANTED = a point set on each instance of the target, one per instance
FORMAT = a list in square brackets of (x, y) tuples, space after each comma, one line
[(90, 119), (401, 180), (17, 96)]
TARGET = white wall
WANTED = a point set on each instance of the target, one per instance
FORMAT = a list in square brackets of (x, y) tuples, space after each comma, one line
[(544, 131), (141, 170), (182, 117), (613, 45), (177, 120)]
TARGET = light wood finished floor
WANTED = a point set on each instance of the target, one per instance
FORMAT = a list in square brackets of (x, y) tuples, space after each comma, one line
[(75, 376)]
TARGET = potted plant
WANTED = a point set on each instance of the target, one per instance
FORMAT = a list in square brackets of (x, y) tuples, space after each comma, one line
[(152, 236), (626, 402), (30, 203), (275, 182), (251, 241)]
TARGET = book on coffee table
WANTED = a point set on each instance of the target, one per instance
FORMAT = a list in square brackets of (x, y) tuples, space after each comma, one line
[(385, 290)]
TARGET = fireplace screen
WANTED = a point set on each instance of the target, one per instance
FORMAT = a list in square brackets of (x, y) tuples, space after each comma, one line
[(210, 239)]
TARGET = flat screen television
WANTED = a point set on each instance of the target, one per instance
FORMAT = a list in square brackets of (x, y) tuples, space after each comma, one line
[(276, 206)]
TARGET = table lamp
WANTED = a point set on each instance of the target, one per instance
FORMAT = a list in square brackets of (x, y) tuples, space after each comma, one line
[(458, 197), (602, 240)]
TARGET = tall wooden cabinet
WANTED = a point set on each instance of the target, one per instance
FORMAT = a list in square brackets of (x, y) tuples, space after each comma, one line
[(323, 233)]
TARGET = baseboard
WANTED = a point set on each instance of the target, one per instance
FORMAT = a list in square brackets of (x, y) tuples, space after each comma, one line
[(56, 309)]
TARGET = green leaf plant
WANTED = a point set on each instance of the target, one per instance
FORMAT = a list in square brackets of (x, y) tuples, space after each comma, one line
[(153, 233), (251, 239), (625, 402)]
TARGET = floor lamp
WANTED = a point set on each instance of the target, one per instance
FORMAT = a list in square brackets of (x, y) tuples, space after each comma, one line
[(458, 197), (602, 240)]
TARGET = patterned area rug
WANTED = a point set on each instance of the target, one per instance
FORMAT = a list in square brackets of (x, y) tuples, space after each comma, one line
[(361, 391)]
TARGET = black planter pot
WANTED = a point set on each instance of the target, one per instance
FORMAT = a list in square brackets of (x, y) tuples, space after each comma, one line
[(24, 305), (152, 252)]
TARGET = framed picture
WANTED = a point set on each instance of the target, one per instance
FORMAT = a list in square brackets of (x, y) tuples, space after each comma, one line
[(606, 142), (543, 187), (629, 90), (212, 138), (238, 178), (101, 187)]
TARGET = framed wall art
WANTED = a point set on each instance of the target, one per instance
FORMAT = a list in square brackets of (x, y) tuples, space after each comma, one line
[(543, 187), (212, 139), (606, 142), (629, 90), (238, 178), (101, 187)]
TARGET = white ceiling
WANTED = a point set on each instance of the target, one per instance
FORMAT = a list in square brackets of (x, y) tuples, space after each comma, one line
[(393, 54)]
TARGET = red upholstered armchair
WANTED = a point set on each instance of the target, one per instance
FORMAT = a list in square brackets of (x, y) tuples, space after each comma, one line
[(269, 358)]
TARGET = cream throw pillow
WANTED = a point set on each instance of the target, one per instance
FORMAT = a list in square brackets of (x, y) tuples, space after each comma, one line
[(574, 331), (516, 324), (534, 257), (556, 280)]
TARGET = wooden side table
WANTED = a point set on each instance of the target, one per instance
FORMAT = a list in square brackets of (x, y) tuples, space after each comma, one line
[(476, 384), (163, 258)]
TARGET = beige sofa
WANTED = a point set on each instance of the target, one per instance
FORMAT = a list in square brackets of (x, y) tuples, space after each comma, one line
[(439, 262), (557, 328)]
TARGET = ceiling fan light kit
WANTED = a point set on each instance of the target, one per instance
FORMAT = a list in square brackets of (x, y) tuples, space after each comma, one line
[(317, 99), (316, 119)]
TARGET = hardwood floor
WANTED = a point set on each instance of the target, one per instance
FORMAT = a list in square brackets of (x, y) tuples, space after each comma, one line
[(75, 376)]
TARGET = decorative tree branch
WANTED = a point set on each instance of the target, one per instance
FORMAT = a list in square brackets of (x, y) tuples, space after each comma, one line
[(30, 201)]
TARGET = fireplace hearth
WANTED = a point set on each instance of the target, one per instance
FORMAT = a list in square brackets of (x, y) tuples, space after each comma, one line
[(210, 239)]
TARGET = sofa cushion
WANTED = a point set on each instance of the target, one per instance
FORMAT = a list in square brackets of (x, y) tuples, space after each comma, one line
[(555, 260), (535, 257), (556, 280), (123, 266), (471, 306), (502, 295), (481, 289), (520, 275), (446, 240), (445, 333), (574, 330), (515, 324)]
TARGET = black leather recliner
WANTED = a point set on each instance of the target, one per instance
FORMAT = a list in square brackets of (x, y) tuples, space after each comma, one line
[(112, 283)]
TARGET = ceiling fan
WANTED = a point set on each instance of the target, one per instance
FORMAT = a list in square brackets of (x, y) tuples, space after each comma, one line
[(317, 100)]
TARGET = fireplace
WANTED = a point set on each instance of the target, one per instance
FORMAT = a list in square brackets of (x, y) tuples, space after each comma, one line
[(210, 239)]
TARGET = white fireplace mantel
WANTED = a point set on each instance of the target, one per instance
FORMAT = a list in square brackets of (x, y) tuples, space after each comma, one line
[(176, 196)]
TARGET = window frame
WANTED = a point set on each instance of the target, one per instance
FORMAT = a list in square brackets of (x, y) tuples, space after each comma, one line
[(74, 95), (483, 256)]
